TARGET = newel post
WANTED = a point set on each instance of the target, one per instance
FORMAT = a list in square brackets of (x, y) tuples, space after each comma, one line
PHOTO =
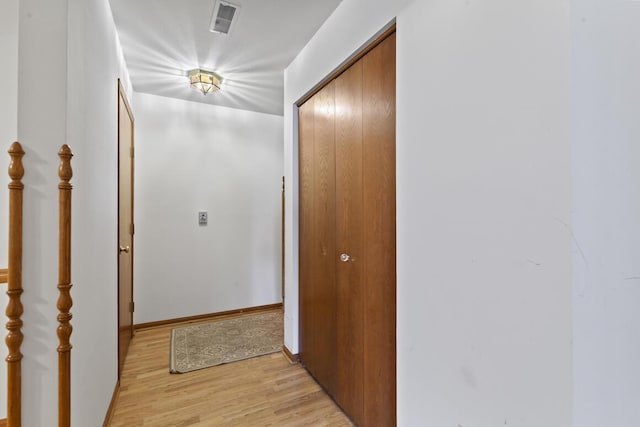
[(64, 287), (14, 308)]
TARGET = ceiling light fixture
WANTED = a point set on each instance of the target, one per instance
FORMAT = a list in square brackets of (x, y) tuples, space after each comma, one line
[(205, 81)]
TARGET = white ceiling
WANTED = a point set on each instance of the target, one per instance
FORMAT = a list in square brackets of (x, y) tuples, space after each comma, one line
[(163, 39)]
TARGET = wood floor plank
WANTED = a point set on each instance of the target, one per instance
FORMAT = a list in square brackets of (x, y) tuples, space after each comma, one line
[(263, 391)]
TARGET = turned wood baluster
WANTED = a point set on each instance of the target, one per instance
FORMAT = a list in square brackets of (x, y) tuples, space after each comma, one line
[(14, 308), (64, 287)]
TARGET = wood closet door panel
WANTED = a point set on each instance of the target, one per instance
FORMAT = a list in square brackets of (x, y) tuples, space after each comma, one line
[(324, 239), (349, 238), (347, 205), (380, 234), (306, 229)]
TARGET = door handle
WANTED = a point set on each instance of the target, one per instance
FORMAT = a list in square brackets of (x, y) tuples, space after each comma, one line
[(124, 249)]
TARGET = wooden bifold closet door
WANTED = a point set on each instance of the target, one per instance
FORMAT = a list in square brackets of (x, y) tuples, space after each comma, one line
[(347, 237)]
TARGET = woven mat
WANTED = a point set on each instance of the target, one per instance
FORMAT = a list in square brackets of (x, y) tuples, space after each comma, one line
[(224, 341)]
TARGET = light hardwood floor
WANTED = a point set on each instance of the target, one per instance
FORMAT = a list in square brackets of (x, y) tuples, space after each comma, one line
[(263, 391)]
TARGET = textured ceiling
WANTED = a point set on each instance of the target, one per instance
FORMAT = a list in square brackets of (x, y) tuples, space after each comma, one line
[(163, 39)]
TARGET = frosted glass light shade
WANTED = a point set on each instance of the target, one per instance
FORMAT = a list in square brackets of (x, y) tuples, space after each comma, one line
[(205, 81)]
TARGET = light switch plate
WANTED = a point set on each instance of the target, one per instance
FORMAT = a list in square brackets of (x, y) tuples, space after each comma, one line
[(202, 218)]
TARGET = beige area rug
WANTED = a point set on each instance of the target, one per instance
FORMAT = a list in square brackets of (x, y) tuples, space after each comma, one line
[(224, 341)]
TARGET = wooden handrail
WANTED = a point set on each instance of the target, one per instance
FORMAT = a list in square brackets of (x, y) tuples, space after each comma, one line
[(14, 308), (4, 275), (64, 287)]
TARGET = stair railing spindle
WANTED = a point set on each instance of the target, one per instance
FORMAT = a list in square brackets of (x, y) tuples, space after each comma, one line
[(14, 290), (65, 302)]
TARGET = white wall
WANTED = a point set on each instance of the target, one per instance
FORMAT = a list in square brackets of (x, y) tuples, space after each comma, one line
[(191, 157), (483, 204), (8, 111), (75, 41), (95, 64), (8, 134), (41, 130), (606, 212)]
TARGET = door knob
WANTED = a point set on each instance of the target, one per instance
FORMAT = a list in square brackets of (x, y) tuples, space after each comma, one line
[(344, 257), (124, 249)]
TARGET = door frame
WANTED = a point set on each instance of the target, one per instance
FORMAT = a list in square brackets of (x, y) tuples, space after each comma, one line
[(282, 240), (122, 95)]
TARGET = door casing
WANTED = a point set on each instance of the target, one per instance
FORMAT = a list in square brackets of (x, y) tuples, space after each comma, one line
[(125, 224)]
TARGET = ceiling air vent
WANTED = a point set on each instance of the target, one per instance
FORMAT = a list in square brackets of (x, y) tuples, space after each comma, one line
[(223, 18)]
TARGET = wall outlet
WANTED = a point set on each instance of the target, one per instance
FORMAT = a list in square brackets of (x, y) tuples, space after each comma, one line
[(202, 218)]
